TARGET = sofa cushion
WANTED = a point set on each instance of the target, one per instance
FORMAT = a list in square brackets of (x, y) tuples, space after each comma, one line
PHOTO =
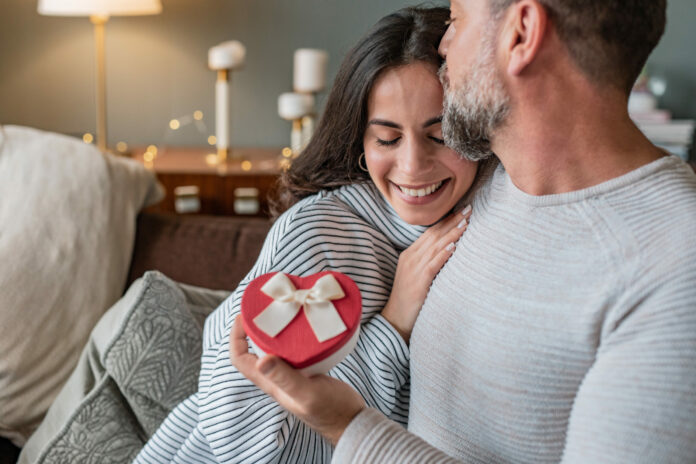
[(67, 225), (141, 360), (206, 251)]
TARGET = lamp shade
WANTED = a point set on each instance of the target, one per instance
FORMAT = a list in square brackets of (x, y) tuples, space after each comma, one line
[(99, 7)]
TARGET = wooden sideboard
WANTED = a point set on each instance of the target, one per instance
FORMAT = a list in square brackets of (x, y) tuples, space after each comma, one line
[(218, 184)]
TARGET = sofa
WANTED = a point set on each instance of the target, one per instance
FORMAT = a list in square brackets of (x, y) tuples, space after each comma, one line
[(206, 251), (73, 239)]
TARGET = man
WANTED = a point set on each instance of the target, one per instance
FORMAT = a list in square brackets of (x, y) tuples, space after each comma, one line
[(563, 328)]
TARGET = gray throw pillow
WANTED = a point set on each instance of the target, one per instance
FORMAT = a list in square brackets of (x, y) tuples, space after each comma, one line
[(141, 360)]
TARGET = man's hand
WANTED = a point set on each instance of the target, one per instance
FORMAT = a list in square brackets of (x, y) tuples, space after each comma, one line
[(324, 403)]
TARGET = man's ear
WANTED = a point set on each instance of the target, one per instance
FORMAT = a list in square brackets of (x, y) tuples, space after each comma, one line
[(523, 33)]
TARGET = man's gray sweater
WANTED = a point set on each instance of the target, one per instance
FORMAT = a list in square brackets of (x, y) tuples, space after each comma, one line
[(563, 329)]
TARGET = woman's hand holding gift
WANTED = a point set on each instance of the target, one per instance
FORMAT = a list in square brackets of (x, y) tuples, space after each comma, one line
[(324, 403)]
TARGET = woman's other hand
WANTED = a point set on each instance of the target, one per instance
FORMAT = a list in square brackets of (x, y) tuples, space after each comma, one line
[(322, 402), (418, 265)]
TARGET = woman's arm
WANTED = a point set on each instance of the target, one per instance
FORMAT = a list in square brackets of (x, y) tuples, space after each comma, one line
[(240, 422)]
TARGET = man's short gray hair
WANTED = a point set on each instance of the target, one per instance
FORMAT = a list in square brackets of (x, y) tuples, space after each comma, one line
[(609, 40)]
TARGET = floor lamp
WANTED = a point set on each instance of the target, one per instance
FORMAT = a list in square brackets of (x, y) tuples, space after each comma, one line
[(99, 12)]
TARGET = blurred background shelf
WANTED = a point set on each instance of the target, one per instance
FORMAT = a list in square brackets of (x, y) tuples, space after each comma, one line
[(238, 187)]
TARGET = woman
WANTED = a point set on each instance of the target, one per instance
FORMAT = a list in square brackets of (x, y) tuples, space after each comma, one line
[(371, 180)]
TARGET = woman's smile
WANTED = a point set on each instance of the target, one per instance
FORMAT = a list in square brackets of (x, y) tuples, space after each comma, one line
[(420, 194)]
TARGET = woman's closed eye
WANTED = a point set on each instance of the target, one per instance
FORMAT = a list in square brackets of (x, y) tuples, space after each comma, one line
[(386, 143)]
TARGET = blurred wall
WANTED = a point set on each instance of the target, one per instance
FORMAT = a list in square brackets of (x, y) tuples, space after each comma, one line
[(674, 59), (157, 65)]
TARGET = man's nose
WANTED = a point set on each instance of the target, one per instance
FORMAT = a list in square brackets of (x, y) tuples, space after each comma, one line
[(444, 43)]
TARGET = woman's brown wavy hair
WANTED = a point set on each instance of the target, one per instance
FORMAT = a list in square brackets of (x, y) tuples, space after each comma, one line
[(330, 160)]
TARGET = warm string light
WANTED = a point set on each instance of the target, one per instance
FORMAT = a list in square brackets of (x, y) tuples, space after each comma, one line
[(175, 124), (121, 147), (211, 159), (185, 120), (195, 118), (150, 154), (287, 156)]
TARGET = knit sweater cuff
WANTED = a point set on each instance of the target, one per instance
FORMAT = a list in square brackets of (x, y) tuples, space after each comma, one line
[(351, 448), (371, 438)]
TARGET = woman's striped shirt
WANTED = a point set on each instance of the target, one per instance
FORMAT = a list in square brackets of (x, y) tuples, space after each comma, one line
[(352, 230)]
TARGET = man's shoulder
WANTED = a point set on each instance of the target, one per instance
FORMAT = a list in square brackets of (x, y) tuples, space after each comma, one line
[(665, 196), (659, 211)]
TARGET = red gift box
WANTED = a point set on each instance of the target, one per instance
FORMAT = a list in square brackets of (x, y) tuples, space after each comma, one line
[(311, 322)]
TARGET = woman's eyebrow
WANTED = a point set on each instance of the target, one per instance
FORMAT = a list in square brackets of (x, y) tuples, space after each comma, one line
[(383, 122), (431, 121)]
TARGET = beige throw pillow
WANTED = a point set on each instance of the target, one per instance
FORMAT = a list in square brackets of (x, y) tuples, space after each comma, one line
[(67, 225)]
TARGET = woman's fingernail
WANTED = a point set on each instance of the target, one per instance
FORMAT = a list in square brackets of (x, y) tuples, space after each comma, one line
[(450, 247), (466, 210), (462, 223)]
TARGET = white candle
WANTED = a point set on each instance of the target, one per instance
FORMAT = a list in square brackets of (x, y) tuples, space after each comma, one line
[(292, 106), (223, 58), (222, 113), (227, 55), (310, 70)]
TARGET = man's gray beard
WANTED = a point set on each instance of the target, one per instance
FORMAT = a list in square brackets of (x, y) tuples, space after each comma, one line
[(473, 111)]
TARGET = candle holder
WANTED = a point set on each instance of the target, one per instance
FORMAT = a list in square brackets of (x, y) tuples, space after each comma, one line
[(295, 107), (224, 58), (309, 78)]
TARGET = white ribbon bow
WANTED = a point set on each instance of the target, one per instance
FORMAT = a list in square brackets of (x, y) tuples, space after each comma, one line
[(320, 312)]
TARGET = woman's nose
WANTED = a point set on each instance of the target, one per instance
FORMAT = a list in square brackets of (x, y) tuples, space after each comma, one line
[(415, 160)]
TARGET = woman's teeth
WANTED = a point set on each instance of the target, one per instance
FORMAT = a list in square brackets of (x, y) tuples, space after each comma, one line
[(420, 192)]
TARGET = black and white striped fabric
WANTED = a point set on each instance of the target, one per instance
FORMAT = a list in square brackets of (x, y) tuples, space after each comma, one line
[(352, 230)]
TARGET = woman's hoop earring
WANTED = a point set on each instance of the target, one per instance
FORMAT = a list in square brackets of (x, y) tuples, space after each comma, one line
[(362, 164)]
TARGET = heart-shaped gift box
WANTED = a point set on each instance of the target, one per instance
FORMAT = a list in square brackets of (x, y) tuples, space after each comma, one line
[(311, 322)]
